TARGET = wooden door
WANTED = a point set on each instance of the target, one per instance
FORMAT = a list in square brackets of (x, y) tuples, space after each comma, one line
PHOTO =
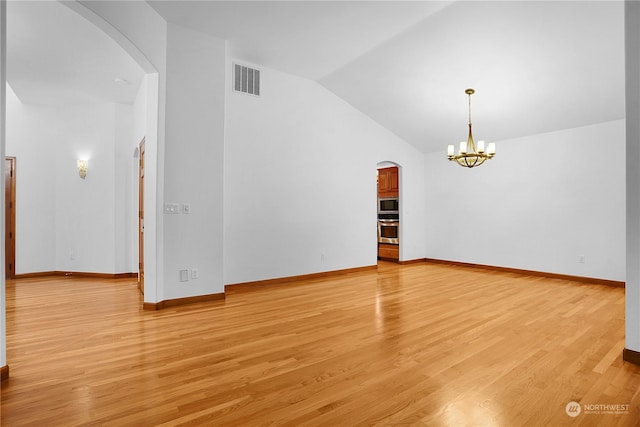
[(10, 217), (141, 169)]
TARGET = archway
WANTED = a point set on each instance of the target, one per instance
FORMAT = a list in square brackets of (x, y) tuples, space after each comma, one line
[(389, 210), (151, 130), (151, 136)]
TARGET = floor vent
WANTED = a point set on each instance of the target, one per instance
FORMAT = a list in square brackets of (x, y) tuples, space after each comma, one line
[(246, 80)]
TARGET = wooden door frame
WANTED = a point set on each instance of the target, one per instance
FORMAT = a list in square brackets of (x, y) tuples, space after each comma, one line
[(141, 174), (10, 223)]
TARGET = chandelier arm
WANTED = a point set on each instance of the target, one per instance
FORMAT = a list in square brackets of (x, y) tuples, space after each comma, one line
[(471, 146), (469, 163)]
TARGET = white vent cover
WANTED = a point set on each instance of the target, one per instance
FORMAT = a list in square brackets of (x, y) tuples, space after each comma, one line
[(246, 80)]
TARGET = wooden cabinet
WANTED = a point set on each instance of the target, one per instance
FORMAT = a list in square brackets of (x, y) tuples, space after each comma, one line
[(388, 182), (387, 251)]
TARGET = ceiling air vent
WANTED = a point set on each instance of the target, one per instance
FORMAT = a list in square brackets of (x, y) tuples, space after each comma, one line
[(246, 80)]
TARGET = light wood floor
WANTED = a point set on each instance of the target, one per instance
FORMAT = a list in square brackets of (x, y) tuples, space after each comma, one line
[(420, 344)]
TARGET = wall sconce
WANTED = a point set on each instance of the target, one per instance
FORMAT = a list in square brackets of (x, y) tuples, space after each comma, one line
[(82, 168)]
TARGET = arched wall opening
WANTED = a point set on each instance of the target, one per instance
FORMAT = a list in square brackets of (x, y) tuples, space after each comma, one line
[(148, 129), (387, 164)]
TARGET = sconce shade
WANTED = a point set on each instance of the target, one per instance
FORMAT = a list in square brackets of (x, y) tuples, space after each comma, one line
[(82, 168)]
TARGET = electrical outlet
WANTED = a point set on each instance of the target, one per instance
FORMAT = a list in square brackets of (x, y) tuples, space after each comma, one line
[(194, 273), (581, 259), (186, 208)]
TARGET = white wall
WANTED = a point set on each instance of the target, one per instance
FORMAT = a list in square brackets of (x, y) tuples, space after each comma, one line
[(189, 169), (300, 182), (140, 114), (64, 223), (126, 176), (632, 109), (194, 161), (85, 228), (29, 139), (543, 201)]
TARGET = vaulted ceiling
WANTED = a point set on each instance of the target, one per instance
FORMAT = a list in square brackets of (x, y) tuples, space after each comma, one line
[(537, 66), (56, 57)]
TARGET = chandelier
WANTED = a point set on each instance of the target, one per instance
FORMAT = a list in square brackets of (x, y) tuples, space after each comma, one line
[(470, 155)]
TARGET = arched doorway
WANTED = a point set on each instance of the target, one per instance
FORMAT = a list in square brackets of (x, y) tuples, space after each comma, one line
[(149, 131), (389, 211)]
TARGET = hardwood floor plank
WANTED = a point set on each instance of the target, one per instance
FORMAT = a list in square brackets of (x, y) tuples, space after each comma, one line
[(417, 344)]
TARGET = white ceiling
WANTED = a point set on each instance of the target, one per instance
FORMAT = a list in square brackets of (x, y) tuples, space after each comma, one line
[(306, 38), (56, 57), (536, 66)]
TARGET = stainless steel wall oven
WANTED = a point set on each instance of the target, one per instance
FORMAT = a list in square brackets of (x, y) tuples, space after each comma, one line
[(388, 231)]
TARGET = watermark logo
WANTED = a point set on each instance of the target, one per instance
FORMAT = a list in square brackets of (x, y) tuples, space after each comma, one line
[(606, 408), (573, 409)]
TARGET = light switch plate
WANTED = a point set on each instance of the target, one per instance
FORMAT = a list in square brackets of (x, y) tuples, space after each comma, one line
[(184, 275), (171, 208)]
